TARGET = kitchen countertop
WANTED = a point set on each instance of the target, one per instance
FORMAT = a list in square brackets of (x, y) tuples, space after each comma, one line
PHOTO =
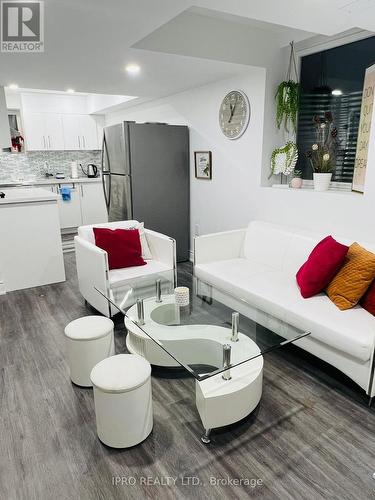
[(49, 181), (26, 195)]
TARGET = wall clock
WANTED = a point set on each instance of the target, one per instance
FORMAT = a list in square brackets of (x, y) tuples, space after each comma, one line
[(234, 114)]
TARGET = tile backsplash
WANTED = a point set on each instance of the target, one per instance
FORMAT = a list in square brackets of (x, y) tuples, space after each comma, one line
[(34, 164)]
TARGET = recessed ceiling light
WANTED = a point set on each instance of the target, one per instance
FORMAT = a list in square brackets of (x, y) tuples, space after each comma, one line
[(132, 68), (70, 91), (13, 86), (337, 92)]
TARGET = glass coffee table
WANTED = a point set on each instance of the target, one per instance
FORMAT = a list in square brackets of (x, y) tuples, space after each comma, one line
[(221, 348)]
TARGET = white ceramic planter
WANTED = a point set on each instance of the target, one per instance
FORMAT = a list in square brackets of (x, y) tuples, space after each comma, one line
[(322, 181)]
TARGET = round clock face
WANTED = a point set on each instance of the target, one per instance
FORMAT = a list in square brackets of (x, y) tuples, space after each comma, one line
[(234, 114)]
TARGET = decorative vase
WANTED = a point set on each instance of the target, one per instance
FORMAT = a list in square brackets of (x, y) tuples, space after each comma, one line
[(296, 183), (322, 181)]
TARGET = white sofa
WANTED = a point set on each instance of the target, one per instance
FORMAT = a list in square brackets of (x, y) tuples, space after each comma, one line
[(254, 270), (93, 270)]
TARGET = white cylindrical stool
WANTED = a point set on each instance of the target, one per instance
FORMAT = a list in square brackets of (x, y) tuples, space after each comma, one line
[(89, 340), (123, 400)]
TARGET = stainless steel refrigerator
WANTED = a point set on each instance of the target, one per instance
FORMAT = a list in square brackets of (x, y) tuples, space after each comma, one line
[(145, 171)]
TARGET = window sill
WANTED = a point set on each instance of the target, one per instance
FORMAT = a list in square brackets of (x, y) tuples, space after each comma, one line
[(310, 188)]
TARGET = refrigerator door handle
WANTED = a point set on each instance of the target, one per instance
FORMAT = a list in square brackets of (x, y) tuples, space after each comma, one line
[(105, 152), (129, 204), (107, 196)]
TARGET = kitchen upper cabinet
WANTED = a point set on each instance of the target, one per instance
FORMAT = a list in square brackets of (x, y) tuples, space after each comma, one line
[(43, 131), (93, 207), (54, 131), (72, 131), (80, 132), (33, 124), (89, 132), (59, 122)]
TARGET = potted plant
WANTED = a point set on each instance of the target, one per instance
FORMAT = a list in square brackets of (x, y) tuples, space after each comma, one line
[(283, 160), (287, 97), (287, 101), (322, 155), (296, 182)]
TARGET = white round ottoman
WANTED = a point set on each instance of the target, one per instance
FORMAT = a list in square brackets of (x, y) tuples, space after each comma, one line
[(123, 400), (89, 340)]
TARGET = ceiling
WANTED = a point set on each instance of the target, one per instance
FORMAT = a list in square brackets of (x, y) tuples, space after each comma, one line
[(89, 42)]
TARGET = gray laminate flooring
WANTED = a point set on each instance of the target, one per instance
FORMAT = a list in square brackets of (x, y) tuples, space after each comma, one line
[(312, 436)]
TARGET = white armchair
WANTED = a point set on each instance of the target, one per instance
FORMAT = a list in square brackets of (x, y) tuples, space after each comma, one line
[(93, 270)]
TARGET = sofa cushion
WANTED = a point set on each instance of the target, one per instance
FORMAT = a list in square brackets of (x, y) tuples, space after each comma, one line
[(354, 278), (264, 288), (123, 246), (323, 263), (117, 277), (134, 282), (351, 331), (277, 294), (368, 300), (267, 243)]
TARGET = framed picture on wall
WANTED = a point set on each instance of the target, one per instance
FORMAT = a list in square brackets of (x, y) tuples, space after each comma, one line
[(203, 164)]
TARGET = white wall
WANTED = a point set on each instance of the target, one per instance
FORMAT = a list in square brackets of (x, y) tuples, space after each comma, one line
[(102, 103), (226, 201)]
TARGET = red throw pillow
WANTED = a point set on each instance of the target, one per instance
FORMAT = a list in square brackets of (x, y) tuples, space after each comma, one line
[(323, 264), (123, 246), (368, 300)]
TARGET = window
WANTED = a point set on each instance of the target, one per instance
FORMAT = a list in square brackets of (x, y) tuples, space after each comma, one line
[(332, 81)]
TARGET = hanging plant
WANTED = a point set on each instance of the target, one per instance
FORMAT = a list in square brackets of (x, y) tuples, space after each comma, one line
[(283, 160), (287, 96), (287, 102)]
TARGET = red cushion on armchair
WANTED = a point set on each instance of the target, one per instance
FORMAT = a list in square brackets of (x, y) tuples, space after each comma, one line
[(123, 246), (323, 264)]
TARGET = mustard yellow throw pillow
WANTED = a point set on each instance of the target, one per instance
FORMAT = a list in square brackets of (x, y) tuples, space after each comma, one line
[(353, 279)]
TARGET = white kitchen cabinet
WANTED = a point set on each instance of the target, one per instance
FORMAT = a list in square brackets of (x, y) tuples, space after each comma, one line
[(93, 207), (87, 205), (70, 210), (89, 132), (54, 131), (72, 131), (30, 239), (43, 131), (33, 124), (59, 122), (80, 132)]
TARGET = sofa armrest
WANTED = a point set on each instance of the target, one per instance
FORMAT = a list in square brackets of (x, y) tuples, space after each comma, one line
[(218, 246), (162, 247), (92, 271)]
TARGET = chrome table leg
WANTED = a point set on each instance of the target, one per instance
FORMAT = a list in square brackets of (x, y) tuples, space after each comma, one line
[(206, 436)]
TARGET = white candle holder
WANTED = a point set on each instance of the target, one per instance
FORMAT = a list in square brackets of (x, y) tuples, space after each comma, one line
[(182, 296)]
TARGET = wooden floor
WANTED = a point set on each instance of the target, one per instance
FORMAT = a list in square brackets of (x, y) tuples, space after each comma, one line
[(312, 436)]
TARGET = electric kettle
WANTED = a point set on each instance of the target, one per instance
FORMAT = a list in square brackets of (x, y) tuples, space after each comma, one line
[(92, 170)]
